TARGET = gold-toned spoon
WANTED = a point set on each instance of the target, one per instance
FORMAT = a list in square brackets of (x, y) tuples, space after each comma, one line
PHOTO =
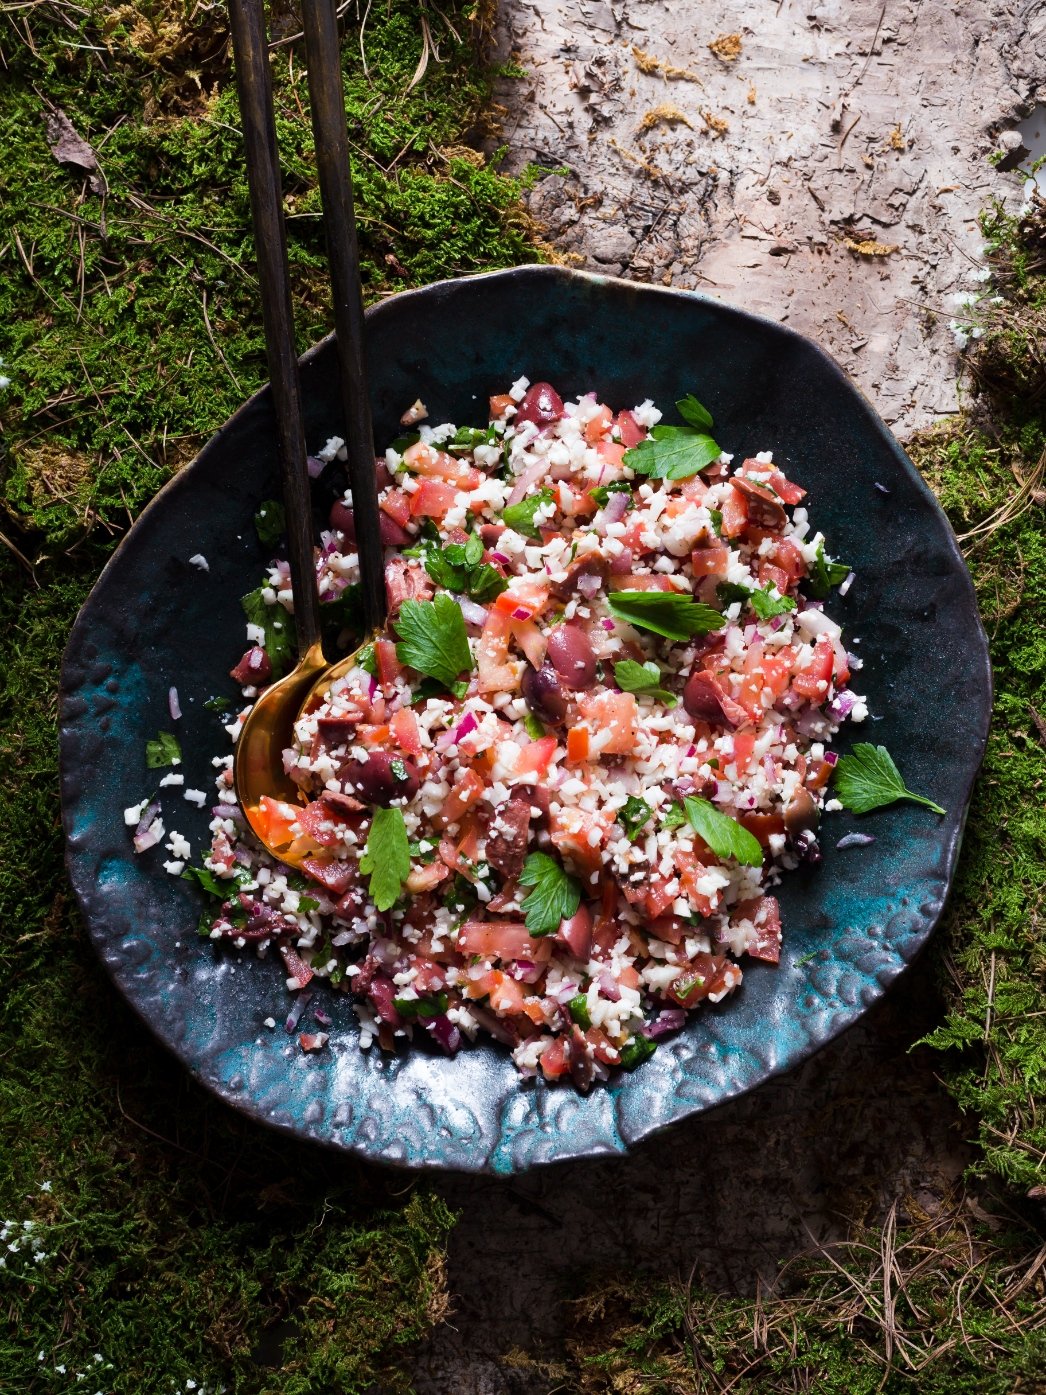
[(268, 730)]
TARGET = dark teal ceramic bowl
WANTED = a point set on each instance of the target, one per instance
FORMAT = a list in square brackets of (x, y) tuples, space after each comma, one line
[(851, 926)]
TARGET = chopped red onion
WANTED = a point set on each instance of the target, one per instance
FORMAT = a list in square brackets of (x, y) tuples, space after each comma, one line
[(316, 466), (608, 987), (776, 621), (855, 840), (690, 751), (468, 723), (811, 722), (521, 613), (607, 624), (881, 488), (841, 705), (502, 558), (847, 582), (173, 705), (149, 830), (670, 1020), (613, 511), (474, 614), (322, 1018), (299, 1005), (831, 757), (621, 565), (590, 584), (443, 1031)]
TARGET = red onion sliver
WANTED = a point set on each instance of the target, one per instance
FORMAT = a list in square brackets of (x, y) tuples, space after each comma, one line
[(299, 1005), (173, 705), (847, 582), (150, 829), (474, 614), (668, 1021), (315, 466), (855, 840), (831, 757), (502, 558), (521, 613)]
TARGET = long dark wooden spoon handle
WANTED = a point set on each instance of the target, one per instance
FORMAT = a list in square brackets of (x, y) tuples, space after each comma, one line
[(327, 100), (254, 86)]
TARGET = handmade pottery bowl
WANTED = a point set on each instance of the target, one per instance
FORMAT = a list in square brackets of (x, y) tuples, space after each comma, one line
[(850, 926)]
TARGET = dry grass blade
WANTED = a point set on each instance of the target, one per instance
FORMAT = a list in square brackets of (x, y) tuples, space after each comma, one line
[(1013, 508), (427, 47)]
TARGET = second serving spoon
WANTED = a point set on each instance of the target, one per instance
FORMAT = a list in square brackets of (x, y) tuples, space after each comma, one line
[(268, 729)]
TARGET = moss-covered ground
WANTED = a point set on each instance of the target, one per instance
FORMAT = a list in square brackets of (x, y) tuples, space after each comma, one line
[(151, 1239)]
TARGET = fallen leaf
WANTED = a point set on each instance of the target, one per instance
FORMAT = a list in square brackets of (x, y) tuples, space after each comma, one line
[(70, 148)]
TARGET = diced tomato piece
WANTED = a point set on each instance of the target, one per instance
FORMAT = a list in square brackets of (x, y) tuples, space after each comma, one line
[(428, 977), (744, 747), (295, 965), (499, 405), (657, 897), (785, 490), (788, 557), (507, 940), (613, 452), (597, 426), (571, 830), (530, 640), (505, 994), (389, 667), (437, 464), (769, 574), (432, 499), (645, 581), (396, 504), (694, 489), (812, 682), (554, 1059), (710, 561), (523, 596), (276, 819), (735, 513), (704, 974), (819, 777), (495, 673), (403, 727), (777, 670), (630, 430), (691, 869), (578, 742), (335, 877), (467, 789), (765, 914), (603, 1049), (422, 879), (576, 933), (613, 715), (535, 757)]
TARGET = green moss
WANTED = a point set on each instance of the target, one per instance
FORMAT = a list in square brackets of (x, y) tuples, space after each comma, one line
[(178, 1241), (131, 328), (936, 1306)]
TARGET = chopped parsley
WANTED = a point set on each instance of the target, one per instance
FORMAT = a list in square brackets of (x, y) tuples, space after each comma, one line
[(765, 605), (555, 894), (520, 517), (633, 816), (460, 567), (270, 522), (602, 492), (434, 1005), (824, 573), (165, 750), (676, 452), (724, 835), (276, 627)]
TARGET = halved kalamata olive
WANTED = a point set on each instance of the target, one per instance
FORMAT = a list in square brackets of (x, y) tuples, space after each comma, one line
[(543, 693), (382, 473), (571, 654), (380, 778), (542, 405), (763, 509), (704, 699), (801, 814), (343, 518)]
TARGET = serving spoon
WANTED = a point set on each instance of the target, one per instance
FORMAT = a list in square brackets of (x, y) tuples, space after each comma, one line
[(268, 729)]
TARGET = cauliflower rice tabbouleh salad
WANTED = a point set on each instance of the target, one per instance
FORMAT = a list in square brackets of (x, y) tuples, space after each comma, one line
[(553, 806)]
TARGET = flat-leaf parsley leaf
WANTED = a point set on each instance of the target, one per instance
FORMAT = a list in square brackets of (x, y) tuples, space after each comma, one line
[(433, 639), (667, 613), (520, 517), (644, 679), (555, 897), (868, 779), (723, 834), (387, 858)]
